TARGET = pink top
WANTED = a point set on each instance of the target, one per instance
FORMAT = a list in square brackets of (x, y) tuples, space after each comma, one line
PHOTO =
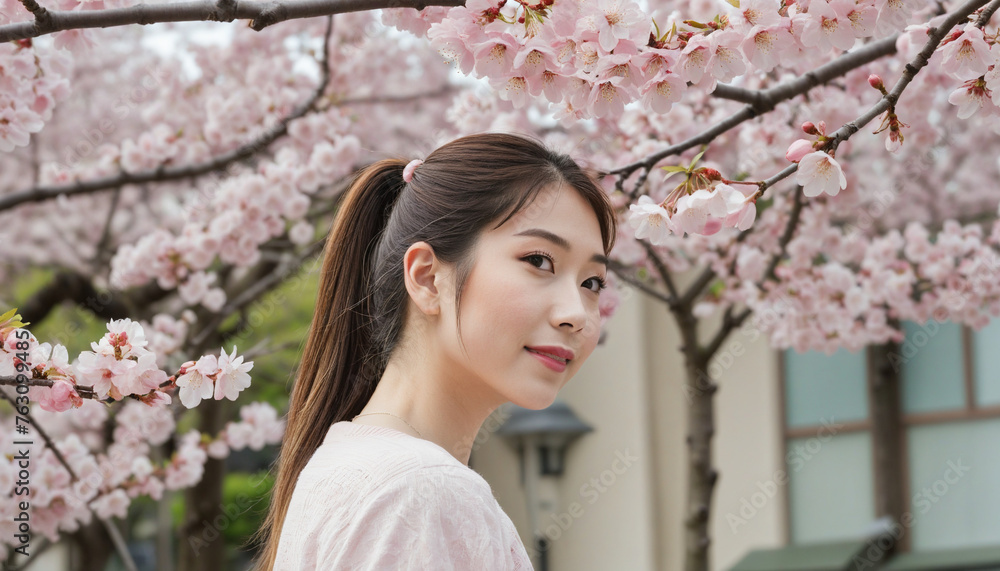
[(373, 497)]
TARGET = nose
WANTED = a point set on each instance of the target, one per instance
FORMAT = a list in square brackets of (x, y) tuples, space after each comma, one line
[(571, 309)]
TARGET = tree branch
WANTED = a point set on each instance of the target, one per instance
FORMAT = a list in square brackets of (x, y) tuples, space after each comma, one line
[(260, 13), (889, 99), (85, 392), (729, 323), (163, 174), (42, 16), (77, 288), (987, 13), (273, 275), (622, 271), (762, 101)]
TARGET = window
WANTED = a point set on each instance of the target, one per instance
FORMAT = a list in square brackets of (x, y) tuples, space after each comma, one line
[(949, 440), (828, 448)]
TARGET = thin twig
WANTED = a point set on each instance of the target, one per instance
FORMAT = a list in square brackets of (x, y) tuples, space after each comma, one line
[(624, 273), (760, 102), (889, 99), (106, 233), (84, 391), (251, 294)]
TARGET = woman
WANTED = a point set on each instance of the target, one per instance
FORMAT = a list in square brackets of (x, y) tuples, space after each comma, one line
[(397, 375)]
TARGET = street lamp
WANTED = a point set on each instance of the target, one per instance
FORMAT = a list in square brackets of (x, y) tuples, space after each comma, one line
[(541, 438)]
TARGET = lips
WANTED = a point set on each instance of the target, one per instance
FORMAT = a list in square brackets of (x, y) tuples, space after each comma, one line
[(557, 353)]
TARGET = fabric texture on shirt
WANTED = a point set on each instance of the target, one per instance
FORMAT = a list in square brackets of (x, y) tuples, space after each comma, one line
[(373, 497)]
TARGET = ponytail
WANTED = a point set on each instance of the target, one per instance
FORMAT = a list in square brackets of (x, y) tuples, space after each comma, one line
[(331, 383)]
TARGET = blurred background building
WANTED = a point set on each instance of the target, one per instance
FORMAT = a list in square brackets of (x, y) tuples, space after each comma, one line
[(811, 449)]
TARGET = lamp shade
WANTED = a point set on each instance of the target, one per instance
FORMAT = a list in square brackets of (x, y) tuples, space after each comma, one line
[(550, 430)]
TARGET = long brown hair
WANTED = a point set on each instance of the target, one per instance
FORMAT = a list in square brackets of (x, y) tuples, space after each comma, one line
[(460, 189)]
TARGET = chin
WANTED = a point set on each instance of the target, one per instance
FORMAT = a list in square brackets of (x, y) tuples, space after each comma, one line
[(536, 401)]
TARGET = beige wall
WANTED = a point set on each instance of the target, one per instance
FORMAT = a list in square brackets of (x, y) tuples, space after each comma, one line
[(631, 392)]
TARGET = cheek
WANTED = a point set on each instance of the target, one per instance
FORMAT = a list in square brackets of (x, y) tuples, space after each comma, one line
[(498, 306)]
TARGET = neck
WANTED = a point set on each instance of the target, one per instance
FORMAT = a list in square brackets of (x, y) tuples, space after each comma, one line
[(443, 408)]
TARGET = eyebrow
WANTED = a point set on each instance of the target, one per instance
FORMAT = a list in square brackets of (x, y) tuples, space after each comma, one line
[(559, 241)]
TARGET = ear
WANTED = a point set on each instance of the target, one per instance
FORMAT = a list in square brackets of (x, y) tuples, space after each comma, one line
[(424, 276)]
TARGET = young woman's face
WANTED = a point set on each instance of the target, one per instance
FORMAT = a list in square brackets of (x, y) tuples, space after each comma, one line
[(527, 290)]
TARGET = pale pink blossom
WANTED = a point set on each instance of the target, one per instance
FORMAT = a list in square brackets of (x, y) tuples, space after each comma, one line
[(662, 91), (861, 16), (750, 13), (726, 61), (495, 56), (650, 220), (701, 212), (620, 20), (824, 28), (969, 98), (61, 396), (741, 210), (195, 384), (606, 99), (232, 376), (764, 47), (214, 299), (112, 504), (818, 172), (195, 287), (968, 55)]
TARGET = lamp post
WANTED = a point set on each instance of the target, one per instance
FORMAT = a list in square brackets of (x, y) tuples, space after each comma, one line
[(541, 438)]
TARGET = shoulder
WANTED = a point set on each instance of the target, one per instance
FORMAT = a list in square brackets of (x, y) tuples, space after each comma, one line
[(439, 487), (361, 459), (443, 517)]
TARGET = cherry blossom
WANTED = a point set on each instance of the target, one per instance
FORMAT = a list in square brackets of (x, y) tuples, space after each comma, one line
[(818, 172), (232, 376)]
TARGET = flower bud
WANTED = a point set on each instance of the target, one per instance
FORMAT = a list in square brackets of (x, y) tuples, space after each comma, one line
[(809, 129), (876, 82), (798, 149), (711, 174)]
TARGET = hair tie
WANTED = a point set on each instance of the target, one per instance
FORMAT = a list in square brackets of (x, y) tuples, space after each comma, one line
[(409, 168)]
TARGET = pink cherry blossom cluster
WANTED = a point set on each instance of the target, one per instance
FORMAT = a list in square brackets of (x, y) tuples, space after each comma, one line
[(818, 171), (119, 366), (971, 56), (703, 203), (109, 479), (31, 82), (840, 289), (244, 212), (592, 58)]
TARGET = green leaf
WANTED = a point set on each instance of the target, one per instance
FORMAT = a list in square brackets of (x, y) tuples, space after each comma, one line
[(697, 158), (717, 288), (670, 175), (734, 3)]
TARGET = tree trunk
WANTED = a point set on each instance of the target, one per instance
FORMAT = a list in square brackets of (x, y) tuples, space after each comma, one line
[(884, 392), (93, 548), (702, 476), (201, 547)]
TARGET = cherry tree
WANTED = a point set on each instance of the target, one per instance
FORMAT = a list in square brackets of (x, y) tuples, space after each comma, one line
[(816, 172)]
